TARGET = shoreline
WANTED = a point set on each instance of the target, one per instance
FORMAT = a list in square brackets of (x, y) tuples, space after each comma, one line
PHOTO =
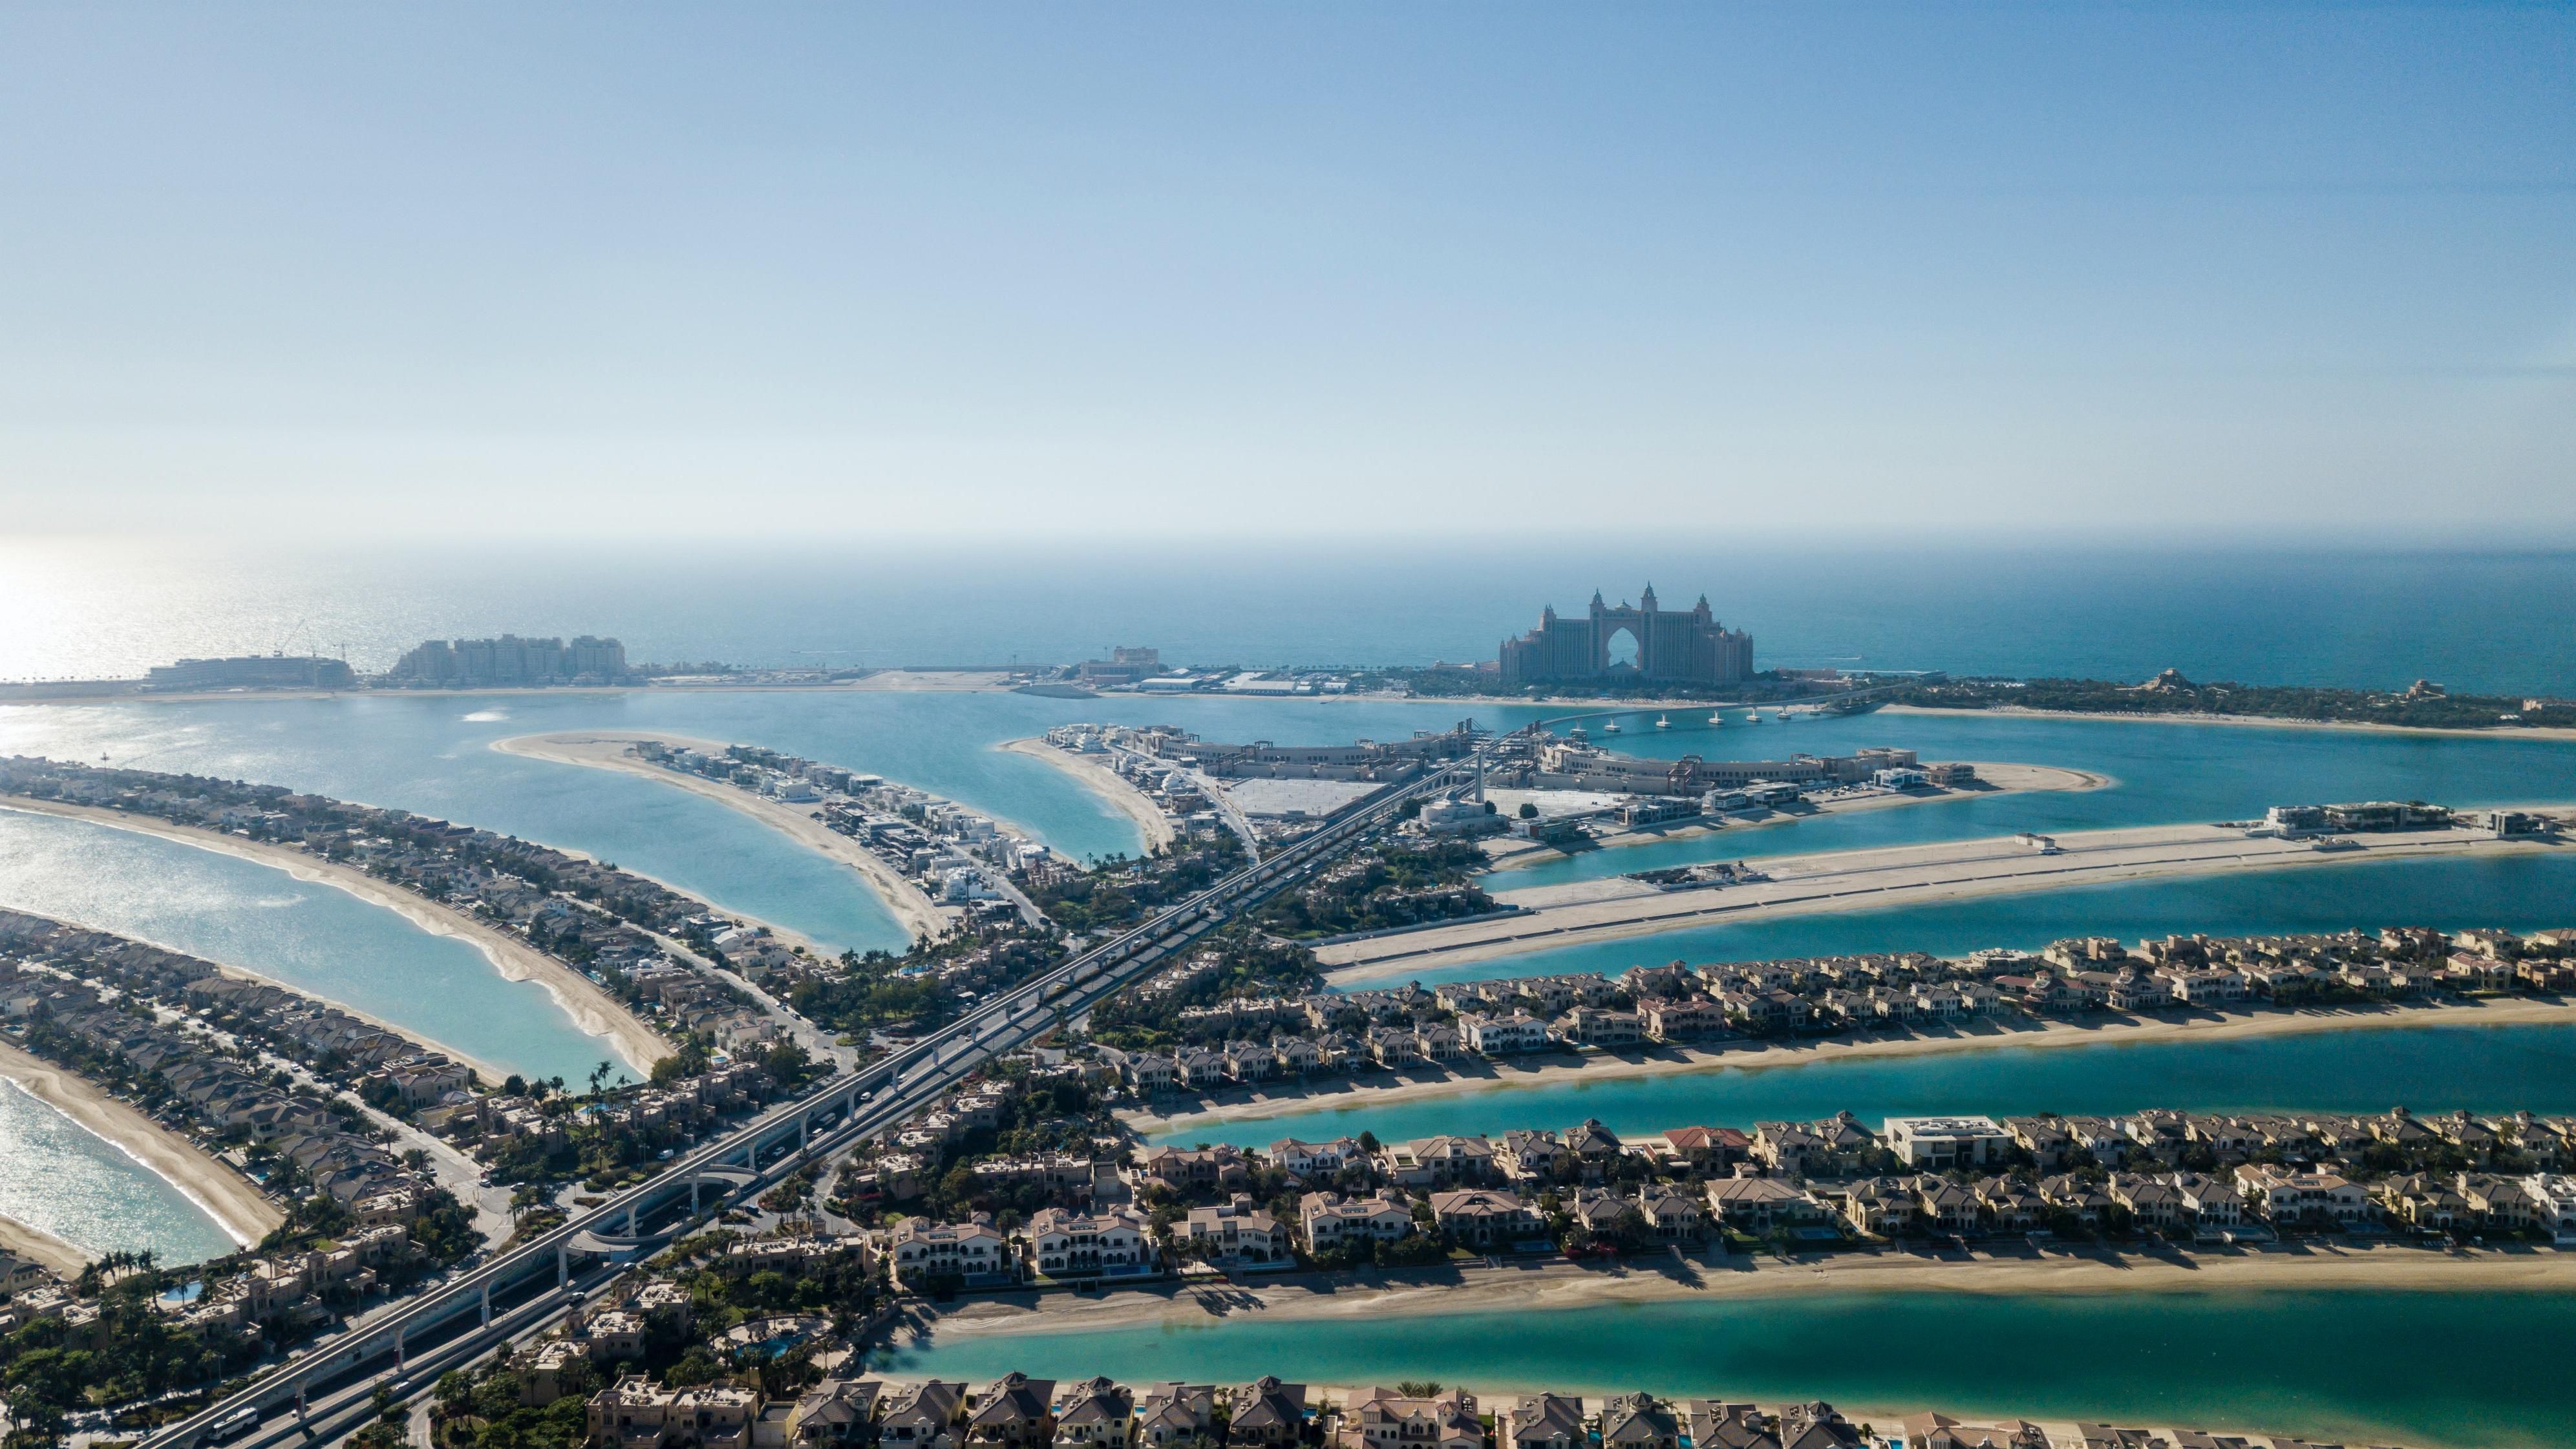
[(2242, 721), (59, 1254), (1614, 909), (1766, 1056), (1556, 1285), (1525, 1293), (491, 1072), (592, 1010), (910, 682), (1108, 786), (227, 1198), (911, 908), (2015, 780)]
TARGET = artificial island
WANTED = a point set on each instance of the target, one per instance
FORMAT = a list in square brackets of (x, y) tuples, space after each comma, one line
[(820, 1173)]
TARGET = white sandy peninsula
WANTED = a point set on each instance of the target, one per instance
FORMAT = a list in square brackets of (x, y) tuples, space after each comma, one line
[(1112, 788), (919, 915), (1557, 915), (1556, 1285)]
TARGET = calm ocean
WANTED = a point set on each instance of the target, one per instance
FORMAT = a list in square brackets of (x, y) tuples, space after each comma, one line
[(2487, 621)]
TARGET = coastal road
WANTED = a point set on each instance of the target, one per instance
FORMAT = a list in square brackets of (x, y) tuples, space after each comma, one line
[(461, 1317), (1235, 819)]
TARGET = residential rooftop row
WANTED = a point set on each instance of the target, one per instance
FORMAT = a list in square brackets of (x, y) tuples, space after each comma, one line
[(1017, 1411), (1244, 1039), (611, 925)]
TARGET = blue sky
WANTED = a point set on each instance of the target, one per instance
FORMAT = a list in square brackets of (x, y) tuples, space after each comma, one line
[(841, 272)]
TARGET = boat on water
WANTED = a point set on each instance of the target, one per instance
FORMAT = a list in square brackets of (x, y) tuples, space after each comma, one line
[(1753, 716), (1610, 728), (1717, 717), (1663, 721)]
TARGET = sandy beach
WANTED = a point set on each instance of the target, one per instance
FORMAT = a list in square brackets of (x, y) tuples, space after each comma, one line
[(1521, 1292), (2255, 721), (25, 1240), (1996, 779), (489, 1071), (914, 909), (915, 682), (1112, 788), (1558, 1068), (589, 1005), (1525, 1290), (1554, 1285), (1588, 910), (236, 1205)]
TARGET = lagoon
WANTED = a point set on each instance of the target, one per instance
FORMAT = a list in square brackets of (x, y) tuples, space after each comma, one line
[(2426, 1068), (77, 1186), (2163, 773), (308, 936), (430, 753), (2520, 892), (2422, 1368)]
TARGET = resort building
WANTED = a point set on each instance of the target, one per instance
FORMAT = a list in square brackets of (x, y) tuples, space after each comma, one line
[(1641, 642)]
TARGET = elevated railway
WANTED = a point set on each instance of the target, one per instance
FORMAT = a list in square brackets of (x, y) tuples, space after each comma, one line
[(328, 1388)]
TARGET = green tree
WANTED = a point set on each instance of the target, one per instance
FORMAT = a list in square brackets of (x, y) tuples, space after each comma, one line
[(454, 1392)]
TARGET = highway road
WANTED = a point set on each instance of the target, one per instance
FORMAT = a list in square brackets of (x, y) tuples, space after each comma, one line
[(530, 1286)]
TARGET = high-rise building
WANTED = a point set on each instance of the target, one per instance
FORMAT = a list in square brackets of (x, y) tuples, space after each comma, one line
[(589, 655), (511, 660)]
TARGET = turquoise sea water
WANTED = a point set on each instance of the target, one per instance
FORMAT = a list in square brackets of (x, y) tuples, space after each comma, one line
[(62, 1179), (2519, 892), (306, 935), (431, 754), (2164, 773), (2423, 1368), (2428, 1068)]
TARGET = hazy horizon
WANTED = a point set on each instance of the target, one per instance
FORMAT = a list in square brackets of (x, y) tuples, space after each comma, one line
[(596, 275), (2492, 620)]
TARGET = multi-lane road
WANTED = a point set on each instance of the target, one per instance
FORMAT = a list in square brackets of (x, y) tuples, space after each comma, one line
[(327, 1389)]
